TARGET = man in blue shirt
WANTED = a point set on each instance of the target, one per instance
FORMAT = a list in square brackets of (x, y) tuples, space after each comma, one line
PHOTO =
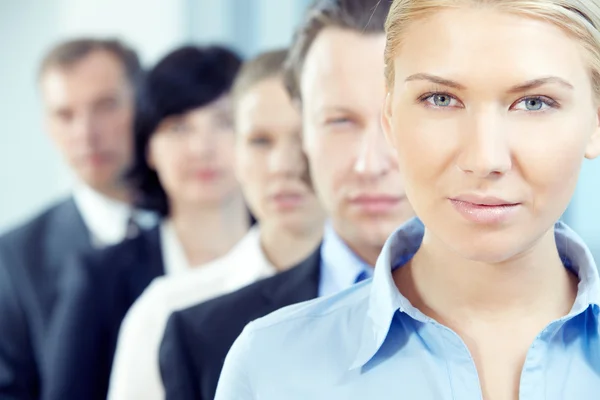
[(492, 107), (354, 173)]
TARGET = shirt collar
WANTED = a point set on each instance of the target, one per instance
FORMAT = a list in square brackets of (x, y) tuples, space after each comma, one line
[(340, 265), (578, 257), (385, 299), (174, 258), (105, 218), (249, 253)]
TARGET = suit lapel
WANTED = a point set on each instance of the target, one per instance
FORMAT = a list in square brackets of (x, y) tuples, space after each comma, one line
[(296, 285), (67, 233), (152, 250), (64, 237), (145, 261), (60, 238)]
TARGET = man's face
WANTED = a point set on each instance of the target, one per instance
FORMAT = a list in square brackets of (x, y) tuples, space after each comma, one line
[(89, 109), (354, 170)]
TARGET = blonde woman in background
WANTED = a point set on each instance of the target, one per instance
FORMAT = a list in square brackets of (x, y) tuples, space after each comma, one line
[(491, 108)]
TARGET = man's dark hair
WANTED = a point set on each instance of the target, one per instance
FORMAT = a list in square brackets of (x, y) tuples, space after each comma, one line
[(68, 53), (185, 79), (364, 16)]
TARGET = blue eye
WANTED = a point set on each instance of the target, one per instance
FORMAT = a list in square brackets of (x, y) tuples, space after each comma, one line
[(441, 100), (536, 103)]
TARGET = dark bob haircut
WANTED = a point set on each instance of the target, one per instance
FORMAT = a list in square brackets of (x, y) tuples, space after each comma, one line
[(187, 78)]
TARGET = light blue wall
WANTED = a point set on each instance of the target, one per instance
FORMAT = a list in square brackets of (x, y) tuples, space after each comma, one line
[(583, 214), (248, 26)]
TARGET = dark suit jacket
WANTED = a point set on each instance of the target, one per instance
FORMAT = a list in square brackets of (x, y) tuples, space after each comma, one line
[(197, 339), (98, 292), (32, 260)]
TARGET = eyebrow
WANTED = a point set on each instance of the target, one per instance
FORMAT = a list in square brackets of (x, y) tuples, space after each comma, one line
[(435, 79), (535, 83), (325, 110), (522, 87), (340, 109)]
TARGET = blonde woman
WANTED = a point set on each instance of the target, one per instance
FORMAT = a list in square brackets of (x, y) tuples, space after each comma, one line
[(491, 108)]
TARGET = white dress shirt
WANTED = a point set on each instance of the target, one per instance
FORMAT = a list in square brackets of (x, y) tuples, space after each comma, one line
[(136, 372), (107, 219), (174, 258)]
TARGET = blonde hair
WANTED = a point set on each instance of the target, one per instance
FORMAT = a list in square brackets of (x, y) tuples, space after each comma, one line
[(578, 18), (266, 65)]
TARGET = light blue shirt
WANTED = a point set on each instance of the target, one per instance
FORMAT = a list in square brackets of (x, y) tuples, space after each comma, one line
[(369, 342), (340, 266)]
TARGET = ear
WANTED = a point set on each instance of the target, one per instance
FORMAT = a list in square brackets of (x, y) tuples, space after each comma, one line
[(386, 120), (593, 147)]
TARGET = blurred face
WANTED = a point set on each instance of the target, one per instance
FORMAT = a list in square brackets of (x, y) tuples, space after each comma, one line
[(193, 154), (270, 164), (353, 169), (89, 113), (491, 115)]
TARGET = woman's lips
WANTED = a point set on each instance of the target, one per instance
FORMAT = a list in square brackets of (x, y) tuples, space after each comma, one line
[(485, 210), (285, 201)]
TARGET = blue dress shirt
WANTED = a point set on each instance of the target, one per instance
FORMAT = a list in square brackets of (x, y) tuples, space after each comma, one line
[(369, 342), (340, 266)]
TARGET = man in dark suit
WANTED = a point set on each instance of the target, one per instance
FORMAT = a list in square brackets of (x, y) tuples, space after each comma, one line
[(88, 91), (96, 292), (355, 176)]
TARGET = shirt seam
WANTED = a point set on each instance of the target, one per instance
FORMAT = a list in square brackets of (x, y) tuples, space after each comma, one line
[(448, 368), (254, 328)]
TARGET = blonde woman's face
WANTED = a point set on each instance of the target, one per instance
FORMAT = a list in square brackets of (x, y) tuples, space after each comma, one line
[(270, 165), (491, 116)]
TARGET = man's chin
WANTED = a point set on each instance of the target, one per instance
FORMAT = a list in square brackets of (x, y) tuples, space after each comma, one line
[(102, 182), (375, 234)]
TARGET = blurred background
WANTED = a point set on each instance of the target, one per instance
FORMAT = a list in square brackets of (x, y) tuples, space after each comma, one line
[(31, 172)]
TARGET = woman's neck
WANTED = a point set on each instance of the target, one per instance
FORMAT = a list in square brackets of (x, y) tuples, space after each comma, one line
[(285, 248), (452, 290), (209, 233)]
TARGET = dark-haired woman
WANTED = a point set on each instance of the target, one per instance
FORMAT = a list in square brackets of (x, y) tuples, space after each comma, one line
[(183, 169)]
